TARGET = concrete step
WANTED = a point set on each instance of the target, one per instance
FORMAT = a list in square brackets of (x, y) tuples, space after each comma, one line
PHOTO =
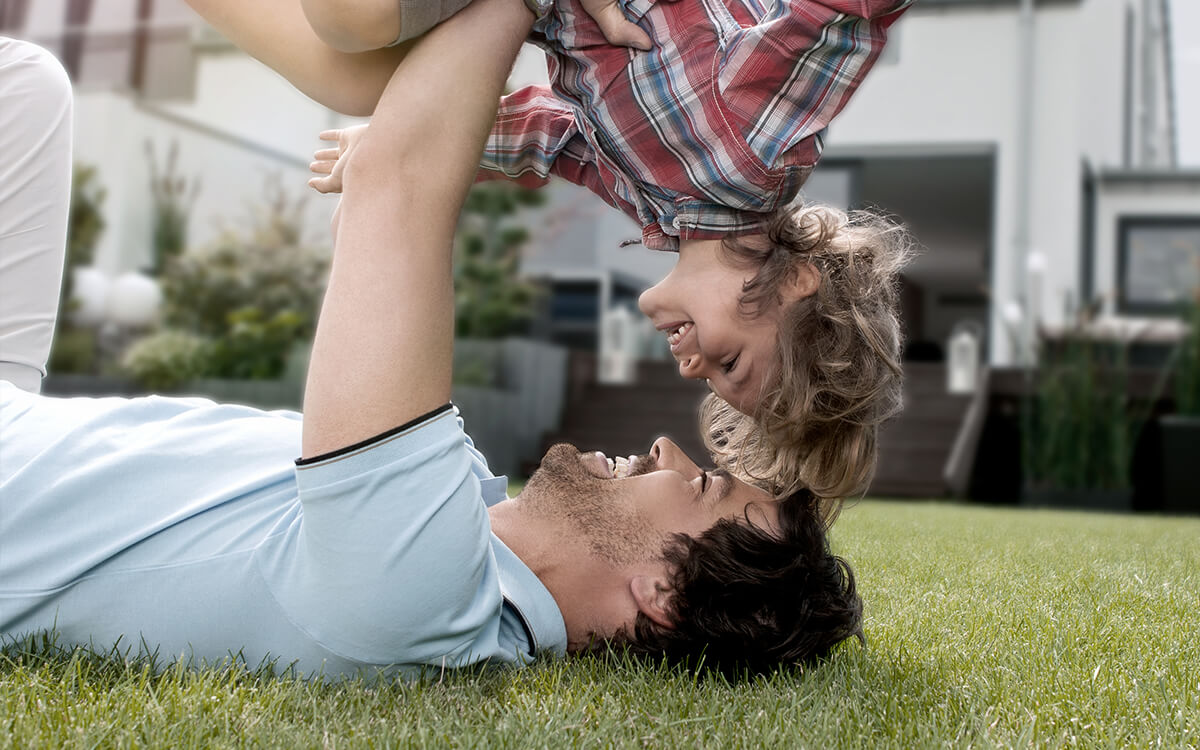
[(914, 447)]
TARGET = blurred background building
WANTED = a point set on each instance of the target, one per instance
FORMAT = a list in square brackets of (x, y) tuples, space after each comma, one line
[(1033, 148)]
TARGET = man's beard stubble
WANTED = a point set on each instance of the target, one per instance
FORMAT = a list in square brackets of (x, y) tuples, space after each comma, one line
[(598, 511)]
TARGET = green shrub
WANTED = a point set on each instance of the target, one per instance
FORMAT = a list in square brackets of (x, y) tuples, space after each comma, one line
[(1082, 427), (1186, 369), (85, 222), (255, 347), (490, 299), (1079, 425), (173, 197), (205, 291), (252, 294), (167, 358), (74, 349)]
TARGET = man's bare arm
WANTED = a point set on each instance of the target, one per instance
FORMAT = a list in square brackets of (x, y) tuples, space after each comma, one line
[(382, 352)]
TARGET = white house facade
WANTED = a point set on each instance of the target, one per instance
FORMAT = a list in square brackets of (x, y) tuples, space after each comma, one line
[(1002, 130), (998, 129)]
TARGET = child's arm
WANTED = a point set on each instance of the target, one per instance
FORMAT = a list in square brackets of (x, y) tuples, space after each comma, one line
[(329, 163), (533, 129)]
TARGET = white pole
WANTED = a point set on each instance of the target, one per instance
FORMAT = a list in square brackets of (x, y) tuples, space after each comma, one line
[(1024, 164)]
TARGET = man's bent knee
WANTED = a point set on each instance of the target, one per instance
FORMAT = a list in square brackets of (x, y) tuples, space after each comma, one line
[(35, 190), (35, 73), (354, 25)]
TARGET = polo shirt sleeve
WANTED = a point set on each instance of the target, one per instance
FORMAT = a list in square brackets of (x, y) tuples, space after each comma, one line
[(392, 562)]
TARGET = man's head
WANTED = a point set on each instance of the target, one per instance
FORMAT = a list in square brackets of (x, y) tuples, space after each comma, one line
[(797, 331), (672, 560)]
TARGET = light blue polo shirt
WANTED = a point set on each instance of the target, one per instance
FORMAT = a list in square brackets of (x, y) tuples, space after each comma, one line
[(187, 526)]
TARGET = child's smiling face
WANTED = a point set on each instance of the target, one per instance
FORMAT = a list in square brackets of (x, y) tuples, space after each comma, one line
[(697, 307)]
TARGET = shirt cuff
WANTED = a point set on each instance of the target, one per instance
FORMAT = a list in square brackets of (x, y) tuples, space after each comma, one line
[(377, 439)]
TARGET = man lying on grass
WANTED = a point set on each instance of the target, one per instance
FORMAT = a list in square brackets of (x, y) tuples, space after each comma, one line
[(185, 527)]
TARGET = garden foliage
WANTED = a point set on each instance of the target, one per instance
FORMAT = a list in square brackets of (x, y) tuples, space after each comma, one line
[(1186, 369), (74, 348), (490, 300), (241, 303), (1080, 426), (173, 197)]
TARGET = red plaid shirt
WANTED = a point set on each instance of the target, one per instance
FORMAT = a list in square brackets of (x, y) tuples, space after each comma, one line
[(719, 123)]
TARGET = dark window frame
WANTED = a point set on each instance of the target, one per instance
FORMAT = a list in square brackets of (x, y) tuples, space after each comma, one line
[(1125, 225)]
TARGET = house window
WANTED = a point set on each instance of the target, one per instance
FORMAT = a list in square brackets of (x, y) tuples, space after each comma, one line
[(1159, 263), (575, 302)]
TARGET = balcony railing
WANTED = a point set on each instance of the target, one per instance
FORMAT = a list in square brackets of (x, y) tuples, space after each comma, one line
[(143, 52)]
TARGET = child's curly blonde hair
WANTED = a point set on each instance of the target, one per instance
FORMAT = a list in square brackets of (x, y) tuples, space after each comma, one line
[(838, 374)]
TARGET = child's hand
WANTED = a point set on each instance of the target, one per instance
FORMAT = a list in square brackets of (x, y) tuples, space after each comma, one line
[(617, 29), (331, 162)]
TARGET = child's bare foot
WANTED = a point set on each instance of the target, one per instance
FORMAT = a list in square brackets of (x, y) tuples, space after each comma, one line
[(329, 163)]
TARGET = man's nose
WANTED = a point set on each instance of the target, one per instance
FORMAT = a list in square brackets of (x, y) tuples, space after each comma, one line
[(667, 455)]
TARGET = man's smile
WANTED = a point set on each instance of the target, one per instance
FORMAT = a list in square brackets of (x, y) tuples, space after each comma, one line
[(608, 468)]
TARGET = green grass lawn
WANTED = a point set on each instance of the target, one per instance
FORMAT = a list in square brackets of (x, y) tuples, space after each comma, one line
[(986, 628)]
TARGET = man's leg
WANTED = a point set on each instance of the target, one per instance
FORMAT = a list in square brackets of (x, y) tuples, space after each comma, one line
[(35, 195), (278, 33)]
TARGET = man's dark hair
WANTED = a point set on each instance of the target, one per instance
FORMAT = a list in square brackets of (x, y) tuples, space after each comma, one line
[(747, 599)]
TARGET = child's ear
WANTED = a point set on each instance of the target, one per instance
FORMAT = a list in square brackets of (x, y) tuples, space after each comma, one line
[(653, 595), (805, 280)]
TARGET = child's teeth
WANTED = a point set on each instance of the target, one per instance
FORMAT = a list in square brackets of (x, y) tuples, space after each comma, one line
[(680, 331), (674, 336)]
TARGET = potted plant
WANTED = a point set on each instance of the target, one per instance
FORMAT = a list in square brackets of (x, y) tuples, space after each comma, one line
[(1181, 430), (1078, 424)]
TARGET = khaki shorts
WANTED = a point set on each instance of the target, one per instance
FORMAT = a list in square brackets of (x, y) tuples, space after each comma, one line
[(419, 16)]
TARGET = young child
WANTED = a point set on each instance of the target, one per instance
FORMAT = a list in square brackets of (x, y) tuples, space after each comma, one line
[(703, 140)]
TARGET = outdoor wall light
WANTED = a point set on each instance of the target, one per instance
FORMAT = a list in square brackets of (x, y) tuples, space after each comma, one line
[(132, 300)]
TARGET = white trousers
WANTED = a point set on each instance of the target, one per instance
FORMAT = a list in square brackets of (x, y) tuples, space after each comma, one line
[(35, 194)]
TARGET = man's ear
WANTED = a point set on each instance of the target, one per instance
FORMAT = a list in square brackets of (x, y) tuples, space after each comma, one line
[(804, 282), (652, 594)]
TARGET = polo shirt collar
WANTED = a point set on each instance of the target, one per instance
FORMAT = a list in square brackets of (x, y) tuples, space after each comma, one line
[(522, 590)]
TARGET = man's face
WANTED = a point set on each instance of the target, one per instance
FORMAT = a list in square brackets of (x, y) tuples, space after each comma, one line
[(628, 519)]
